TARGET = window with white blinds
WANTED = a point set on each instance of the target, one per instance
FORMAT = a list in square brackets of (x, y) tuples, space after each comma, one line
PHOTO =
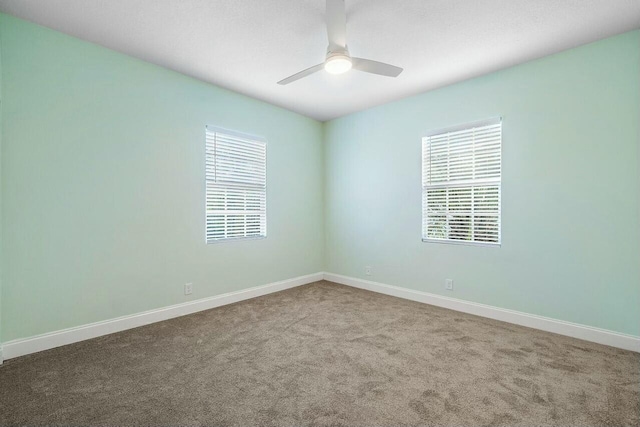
[(236, 182), (461, 176)]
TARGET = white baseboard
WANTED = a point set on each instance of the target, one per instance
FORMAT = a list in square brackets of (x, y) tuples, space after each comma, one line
[(21, 347), (575, 330), (24, 346)]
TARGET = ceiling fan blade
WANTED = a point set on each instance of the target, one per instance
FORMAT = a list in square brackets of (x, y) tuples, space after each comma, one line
[(375, 67), (336, 24), (301, 74)]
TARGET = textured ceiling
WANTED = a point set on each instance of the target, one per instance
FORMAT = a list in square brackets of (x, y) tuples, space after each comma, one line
[(248, 46)]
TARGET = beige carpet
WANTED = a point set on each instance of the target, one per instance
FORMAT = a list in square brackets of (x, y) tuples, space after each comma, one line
[(325, 354)]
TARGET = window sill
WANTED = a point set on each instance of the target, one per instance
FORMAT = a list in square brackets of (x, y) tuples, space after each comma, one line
[(462, 242), (234, 239)]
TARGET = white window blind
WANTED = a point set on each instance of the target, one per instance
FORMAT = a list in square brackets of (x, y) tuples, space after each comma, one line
[(461, 177), (236, 182)]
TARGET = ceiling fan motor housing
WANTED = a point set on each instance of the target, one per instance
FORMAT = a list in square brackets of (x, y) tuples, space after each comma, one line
[(333, 51), (338, 60)]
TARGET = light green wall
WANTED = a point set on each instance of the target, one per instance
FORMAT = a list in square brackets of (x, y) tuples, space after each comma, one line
[(570, 194), (1, 105), (103, 186), (101, 180)]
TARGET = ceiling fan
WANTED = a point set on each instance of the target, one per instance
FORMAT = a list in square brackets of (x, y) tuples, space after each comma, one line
[(338, 60)]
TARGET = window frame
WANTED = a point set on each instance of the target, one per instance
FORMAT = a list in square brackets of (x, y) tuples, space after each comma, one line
[(469, 185), (241, 135)]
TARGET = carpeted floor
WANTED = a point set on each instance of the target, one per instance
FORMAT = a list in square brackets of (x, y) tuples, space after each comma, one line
[(325, 354)]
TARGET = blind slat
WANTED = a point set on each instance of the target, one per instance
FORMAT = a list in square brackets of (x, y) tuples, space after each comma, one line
[(461, 182), (236, 186)]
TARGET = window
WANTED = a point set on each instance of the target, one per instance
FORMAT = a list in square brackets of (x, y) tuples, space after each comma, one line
[(236, 181), (461, 175)]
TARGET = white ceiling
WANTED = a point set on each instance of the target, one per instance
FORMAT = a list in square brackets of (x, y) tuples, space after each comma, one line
[(249, 45)]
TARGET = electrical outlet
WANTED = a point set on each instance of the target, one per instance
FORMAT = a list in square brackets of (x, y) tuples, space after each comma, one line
[(448, 284), (188, 288), (367, 270)]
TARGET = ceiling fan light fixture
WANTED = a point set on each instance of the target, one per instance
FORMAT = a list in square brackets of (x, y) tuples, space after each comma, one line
[(338, 59), (338, 64)]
